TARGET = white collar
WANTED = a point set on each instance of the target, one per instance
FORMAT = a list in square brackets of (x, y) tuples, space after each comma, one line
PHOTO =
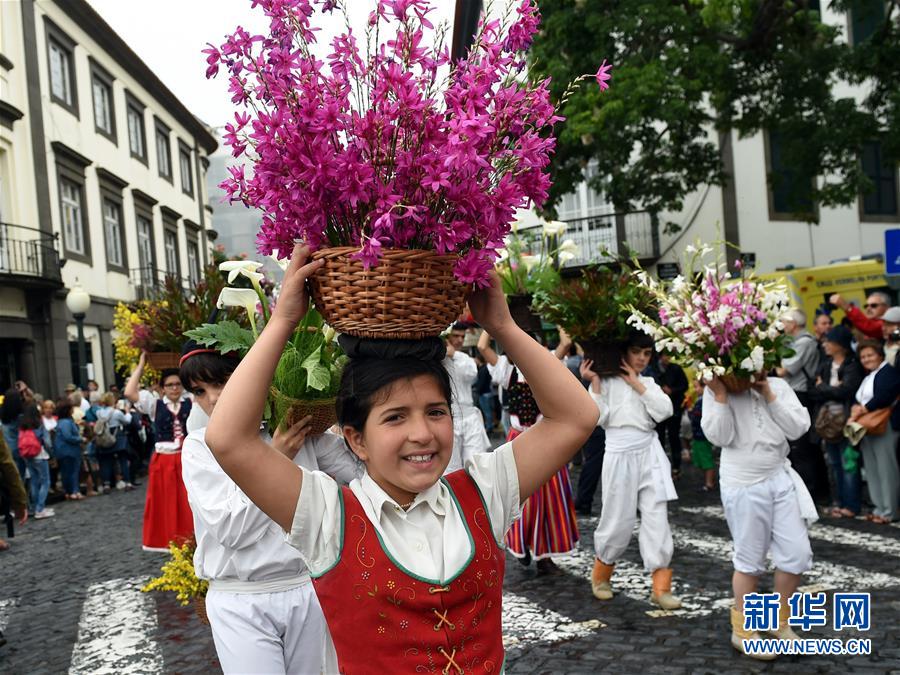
[(378, 498)]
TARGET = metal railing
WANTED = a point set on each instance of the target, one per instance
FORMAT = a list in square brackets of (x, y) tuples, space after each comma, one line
[(150, 281), (29, 252), (615, 233)]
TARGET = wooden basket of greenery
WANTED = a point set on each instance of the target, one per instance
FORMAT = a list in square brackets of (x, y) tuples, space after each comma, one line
[(178, 576), (592, 308)]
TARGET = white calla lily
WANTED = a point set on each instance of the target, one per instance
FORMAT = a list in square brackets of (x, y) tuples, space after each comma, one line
[(237, 267), (282, 264), (502, 255), (565, 256), (238, 297), (554, 228), (569, 246), (530, 261)]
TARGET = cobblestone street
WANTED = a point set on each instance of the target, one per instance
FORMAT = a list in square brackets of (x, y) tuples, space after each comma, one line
[(70, 600)]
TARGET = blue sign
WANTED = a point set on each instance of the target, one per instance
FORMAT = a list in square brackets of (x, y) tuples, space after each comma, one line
[(892, 252)]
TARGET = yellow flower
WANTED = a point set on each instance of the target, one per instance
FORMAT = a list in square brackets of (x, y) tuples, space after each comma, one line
[(178, 575)]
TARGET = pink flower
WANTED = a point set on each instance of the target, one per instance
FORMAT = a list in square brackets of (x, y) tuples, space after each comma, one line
[(603, 75)]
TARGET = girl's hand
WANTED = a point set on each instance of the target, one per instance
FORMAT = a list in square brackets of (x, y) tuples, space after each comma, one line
[(289, 441), (585, 369), (762, 386), (564, 338), (717, 387), (632, 377), (489, 307), (294, 299)]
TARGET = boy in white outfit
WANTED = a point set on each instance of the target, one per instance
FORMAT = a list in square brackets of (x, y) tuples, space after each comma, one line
[(263, 611), (469, 436), (636, 472), (766, 504)]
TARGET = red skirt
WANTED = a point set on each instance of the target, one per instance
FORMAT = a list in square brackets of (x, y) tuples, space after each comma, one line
[(167, 514), (547, 526)]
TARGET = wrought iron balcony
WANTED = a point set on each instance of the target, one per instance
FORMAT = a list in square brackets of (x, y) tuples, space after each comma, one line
[(617, 233), (29, 254), (149, 282)]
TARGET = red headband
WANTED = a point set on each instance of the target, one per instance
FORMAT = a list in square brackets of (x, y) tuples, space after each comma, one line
[(196, 351)]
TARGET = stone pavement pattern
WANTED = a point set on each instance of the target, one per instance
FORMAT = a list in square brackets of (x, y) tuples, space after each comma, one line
[(70, 600)]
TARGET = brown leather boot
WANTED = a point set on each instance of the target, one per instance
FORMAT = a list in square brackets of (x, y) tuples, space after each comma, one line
[(662, 589), (600, 577)]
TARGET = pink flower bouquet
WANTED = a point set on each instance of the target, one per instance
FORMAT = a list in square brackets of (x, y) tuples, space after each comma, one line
[(389, 146), (719, 324)]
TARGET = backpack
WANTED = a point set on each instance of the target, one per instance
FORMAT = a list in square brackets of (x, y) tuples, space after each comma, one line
[(104, 437), (29, 444)]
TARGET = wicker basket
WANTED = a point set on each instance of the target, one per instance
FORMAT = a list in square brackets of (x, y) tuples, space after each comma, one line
[(289, 411), (736, 384), (520, 309), (607, 356), (410, 294), (200, 609), (162, 360)]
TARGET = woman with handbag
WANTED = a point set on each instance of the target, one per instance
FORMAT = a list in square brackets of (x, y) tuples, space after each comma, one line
[(877, 413), (837, 378)]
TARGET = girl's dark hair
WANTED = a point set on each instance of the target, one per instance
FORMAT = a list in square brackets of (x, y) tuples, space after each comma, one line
[(207, 367), (366, 382), (870, 344), (12, 406), (168, 372), (63, 408), (31, 417), (639, 339)]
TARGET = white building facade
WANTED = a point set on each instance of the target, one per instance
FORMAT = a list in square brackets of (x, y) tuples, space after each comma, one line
[(102, 183)]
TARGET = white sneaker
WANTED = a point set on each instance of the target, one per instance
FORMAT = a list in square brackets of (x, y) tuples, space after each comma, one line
[(120, 485), (46, 513)]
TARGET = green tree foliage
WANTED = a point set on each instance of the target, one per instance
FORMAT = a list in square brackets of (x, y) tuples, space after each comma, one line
[(685, 71)]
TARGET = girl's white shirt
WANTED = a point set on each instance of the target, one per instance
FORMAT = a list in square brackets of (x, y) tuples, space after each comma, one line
[(866, 391), (430, 539), (621, 406), (237, 544), (754, 436)]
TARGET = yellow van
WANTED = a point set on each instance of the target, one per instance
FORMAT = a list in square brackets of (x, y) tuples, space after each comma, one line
[(810, 287)]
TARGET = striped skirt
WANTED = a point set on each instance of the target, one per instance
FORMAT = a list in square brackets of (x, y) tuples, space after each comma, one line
[(547, 526)]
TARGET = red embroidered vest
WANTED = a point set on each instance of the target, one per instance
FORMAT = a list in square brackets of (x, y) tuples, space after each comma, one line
[(384, 619)]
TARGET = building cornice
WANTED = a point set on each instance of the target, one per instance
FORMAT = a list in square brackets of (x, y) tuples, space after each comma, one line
[(142, 196), (109, 177), (5, 63), (9, 114), (93, 24), (61, 148), (171, 214)]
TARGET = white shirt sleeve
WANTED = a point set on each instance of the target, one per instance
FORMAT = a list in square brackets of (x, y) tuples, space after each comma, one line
[(316, 530), (656, 402), (216, 500), (501, 371), (787, 411), (497, 479), (335, 458), (717, 421), (146, 403)]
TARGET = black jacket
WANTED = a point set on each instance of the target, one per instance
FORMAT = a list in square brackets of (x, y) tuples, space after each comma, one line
[(886, 390), (674, 378), (850, 375)]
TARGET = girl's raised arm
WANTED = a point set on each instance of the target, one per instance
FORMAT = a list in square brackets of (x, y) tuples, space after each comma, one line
[(569, 413), (266, 476)]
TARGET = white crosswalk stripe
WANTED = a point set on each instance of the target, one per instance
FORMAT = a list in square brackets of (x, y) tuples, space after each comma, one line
[(6, 608), (823, 574), (527, 622), (824, 532), (115, 632)]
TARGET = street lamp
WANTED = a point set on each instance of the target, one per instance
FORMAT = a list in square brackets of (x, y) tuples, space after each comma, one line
[(79, 302)]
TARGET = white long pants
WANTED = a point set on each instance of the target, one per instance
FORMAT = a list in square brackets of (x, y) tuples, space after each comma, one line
[(628, 485), (282, 632), (766, 516)]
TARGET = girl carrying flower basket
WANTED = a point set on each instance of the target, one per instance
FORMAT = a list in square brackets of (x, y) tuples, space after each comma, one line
[(728, 331)]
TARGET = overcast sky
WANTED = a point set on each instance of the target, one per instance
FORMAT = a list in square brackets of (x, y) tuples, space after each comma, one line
[(169, 35)]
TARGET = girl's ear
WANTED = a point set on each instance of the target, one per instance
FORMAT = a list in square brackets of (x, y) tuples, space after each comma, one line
[(354, 438)]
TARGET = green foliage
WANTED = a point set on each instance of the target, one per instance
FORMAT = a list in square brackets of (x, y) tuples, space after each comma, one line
[(309, 369), (225, 336), (683, 68), (594, 305)]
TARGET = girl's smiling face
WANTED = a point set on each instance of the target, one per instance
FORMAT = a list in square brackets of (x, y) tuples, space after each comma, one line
[(407, 439)]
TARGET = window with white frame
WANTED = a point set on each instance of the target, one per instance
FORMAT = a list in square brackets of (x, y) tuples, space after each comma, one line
[(61, 72), (112, 226), (163, 151), (170, 244), (136, 132), (103, 106), (193, 261), (73, 224), (187, 178)]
